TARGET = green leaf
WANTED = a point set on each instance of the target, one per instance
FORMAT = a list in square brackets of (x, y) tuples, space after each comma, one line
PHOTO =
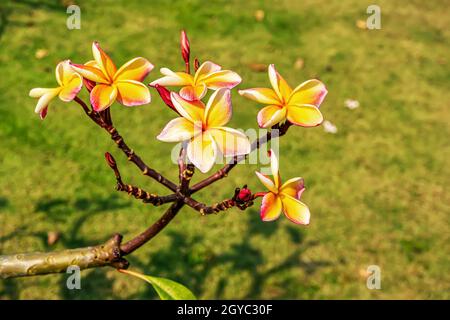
[(166, 289)]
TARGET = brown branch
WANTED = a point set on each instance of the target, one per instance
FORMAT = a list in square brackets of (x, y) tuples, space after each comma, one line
[(223, 172), (31, 264), (153, 230)]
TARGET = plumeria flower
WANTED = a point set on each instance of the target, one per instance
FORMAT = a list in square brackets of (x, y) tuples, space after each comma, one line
[(208, 76), (123, 84), (69, 82), (299, 106), (203, 128), (283, 197)]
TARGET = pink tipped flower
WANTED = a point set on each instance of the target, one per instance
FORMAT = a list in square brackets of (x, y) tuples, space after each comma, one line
[(185, 47), (299, 106), (283, 197), (69, 82), (208, 76), (123, 84), (203, 127)]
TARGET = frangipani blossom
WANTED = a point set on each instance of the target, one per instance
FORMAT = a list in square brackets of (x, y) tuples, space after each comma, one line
[(299, 106), (283, 197), (123, 84), (70, 84), (208, 76), (203, 128)]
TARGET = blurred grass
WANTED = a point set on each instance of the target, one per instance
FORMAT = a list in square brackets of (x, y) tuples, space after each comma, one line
[(376, 189)]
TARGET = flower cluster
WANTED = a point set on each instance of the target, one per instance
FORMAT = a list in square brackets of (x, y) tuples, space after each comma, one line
[(201, 125)]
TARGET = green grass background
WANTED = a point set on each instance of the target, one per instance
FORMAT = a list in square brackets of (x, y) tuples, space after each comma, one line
[(376, 189)]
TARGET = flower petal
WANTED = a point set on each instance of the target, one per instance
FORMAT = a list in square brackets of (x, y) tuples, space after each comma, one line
[(71, 87), (271, 115), (135, 69), (295, 210), (267, 182), (275, 168), (173, 78), (191, 110), (221, 79), (102, 96), (45, 96), (293, 187), (270, 207), (280, 85), (90, 72), (192, 93), (261, 95), (64, 72), (218, 109), (202, 152), (309, 92), (205, 69), (305, 115), (132, 93), (178, 129), (103, 61), (230, 142)]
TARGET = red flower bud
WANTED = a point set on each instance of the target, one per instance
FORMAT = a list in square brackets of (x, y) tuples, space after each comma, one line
[(89, 84), (185, 47), (43, 113), (245, 195), (165, 96), (110, 160)]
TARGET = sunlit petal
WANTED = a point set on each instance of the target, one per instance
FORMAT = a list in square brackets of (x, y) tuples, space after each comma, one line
[(270, 207), (305, 115), (261, 95), (135, 69), (271, 115), (205, 69), (132, 93), (202, 152), (275, 168), (218, 109), (173, 78), (192, 93), (71, 87), (178, 129), (102, 96), (221, 79), (280, 85), (103, 61), (229, 141), (267, 182), (45, 96), (309, 92), (91, 73), (293, 187), (64, 72), (295, 210), (191, 110)]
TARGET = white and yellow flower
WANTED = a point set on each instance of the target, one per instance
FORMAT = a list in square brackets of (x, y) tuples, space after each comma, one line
[(203, 127), (299, 106), (69, 82), (123, 84), (208, 76), (283, 197)]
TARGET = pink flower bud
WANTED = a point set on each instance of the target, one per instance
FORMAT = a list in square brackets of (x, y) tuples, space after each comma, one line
[(196, 64), (185, 46), (245, 195), (165, 96), (89, 84)]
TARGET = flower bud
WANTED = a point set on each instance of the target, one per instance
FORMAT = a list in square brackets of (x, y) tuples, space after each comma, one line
[(43, 113), (185, 46), (165, 96), (244, 195), (89, 84), (196, 64)]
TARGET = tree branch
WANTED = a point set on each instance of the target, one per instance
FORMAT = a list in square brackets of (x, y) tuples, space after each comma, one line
[(223, 172)]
